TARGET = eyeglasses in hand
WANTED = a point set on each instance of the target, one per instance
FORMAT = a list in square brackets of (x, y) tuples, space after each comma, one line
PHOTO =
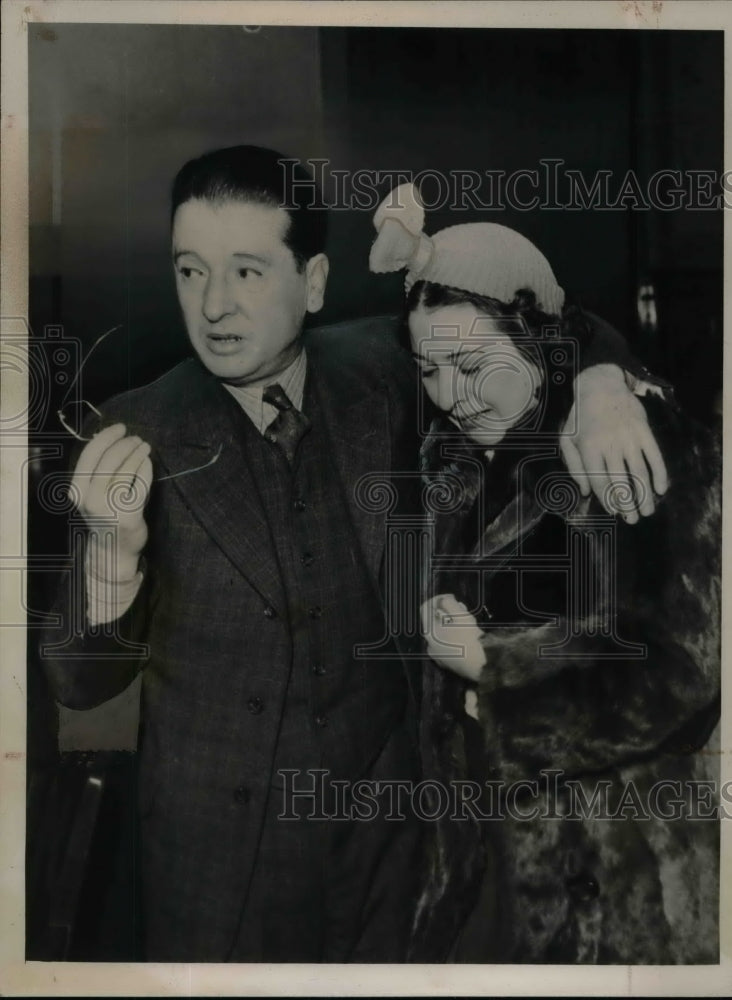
[(64, 412)]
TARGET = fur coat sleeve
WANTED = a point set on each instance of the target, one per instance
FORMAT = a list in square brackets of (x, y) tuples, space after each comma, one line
[(637, 672)]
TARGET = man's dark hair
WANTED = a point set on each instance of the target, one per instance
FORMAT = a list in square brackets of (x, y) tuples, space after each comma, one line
[(258, 175)]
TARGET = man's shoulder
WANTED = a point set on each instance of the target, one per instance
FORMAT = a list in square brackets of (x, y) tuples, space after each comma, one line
[(154, 402), (369, 346)]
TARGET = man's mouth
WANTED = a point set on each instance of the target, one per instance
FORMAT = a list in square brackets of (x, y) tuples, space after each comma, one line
[(224, 344)]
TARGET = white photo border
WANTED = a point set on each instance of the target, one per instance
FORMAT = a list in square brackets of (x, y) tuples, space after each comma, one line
[(21, 978)]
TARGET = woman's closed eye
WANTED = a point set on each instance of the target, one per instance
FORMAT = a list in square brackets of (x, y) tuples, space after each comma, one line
[(425, 368), (473, 362)]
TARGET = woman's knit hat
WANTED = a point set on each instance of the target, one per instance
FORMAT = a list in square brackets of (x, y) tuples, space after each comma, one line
[(479, 257)]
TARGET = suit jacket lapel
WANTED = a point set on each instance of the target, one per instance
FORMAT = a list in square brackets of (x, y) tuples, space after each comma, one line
[(357, 418), (223, 496)]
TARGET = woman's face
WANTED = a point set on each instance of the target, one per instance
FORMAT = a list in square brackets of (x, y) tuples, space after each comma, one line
[(472, 371)]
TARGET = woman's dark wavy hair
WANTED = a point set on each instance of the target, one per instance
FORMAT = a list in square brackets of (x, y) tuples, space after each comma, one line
[(543, 346)]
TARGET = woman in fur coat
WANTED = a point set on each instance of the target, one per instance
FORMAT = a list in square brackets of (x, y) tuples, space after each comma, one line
[(574, 699)]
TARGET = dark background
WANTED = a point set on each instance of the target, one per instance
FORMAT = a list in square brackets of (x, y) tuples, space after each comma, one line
[(116, 109), (114, 112)]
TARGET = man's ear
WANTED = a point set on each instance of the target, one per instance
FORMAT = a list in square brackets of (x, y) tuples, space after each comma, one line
[(316, 271)]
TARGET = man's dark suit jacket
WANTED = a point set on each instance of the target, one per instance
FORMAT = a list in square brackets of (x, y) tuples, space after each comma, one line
[(212, 610)]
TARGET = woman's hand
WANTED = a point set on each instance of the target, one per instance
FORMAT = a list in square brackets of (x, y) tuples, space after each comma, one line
[(608, 446), (452, 636)]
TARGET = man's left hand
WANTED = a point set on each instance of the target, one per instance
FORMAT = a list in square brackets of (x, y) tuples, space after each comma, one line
[(608, 446)]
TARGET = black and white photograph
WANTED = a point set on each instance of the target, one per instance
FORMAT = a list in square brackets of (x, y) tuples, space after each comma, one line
[(362, 432)]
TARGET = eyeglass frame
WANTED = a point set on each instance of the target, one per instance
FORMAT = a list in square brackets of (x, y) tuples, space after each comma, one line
[(75, 434)]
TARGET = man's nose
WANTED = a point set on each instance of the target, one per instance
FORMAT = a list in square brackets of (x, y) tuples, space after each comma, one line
[(217, 301)]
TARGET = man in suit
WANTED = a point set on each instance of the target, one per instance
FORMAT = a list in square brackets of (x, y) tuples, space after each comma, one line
[(260, 575), (229, 553)]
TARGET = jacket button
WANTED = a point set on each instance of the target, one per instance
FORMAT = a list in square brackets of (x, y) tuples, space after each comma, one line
[(255, 705), (307, 559), (299, 504), (242, 794), (315, 612), (269, 612), (583, 887), (318, 669), (321, 720)]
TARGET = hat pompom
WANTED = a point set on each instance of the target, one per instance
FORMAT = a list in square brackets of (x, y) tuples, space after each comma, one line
[(393, 248), (404, 204)]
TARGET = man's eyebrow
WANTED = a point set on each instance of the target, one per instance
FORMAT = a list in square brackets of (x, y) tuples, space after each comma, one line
[(252, 256), (240, 253), (185, 253)]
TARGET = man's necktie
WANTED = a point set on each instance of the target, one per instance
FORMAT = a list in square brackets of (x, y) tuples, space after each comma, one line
[(289, 426)]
